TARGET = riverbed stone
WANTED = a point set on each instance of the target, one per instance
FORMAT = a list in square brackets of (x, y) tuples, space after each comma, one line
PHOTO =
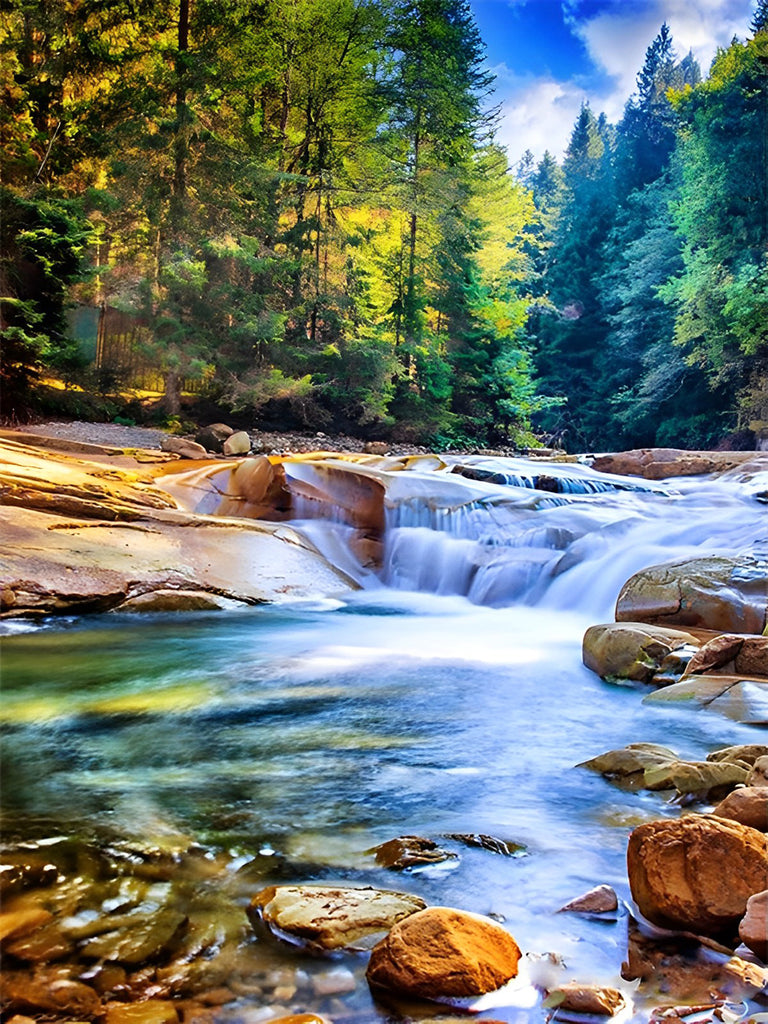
[(143, 937), (758, 775), (631, 650), (322, 918), (151, 1011), (630, 760), (696, 873), (710, 592), (600, 900), (442, 953), (741, 700), (50, 993), (16, 923), (753, 927), (592, 999), (747, 805), (648, 766)]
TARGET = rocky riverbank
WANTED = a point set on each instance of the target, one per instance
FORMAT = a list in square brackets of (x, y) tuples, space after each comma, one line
[(103, 929)]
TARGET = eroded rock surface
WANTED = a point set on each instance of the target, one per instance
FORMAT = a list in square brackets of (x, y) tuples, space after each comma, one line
[(724, 594), (748, 806), (443, 953), (632, 650), (697, 873), (753, 927)]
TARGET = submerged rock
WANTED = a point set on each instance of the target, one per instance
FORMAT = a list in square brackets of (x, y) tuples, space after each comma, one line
[(322, 918), (151, 1011), (632, 650), (52, 993), (441, 953), (725, 594), (748, 806), (697, 873), (753, 927)]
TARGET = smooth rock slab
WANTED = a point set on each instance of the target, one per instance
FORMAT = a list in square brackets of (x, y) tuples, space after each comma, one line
[(322, 918), (753, 927), (696, 873), (442, 953), (742, 700), (725, 594), (748, 806)]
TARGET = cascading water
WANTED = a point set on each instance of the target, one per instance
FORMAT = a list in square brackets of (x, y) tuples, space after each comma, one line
[(495, 536)]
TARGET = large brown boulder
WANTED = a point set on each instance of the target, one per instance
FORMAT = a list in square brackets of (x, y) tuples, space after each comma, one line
[(323, 917), (441, 953), (696, 873), (631, 650), (725, 594)]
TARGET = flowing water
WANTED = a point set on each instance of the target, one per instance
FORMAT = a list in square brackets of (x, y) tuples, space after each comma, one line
[(446, 696)]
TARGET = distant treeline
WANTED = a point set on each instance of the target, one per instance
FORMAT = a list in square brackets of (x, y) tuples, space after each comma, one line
[(302, 203)]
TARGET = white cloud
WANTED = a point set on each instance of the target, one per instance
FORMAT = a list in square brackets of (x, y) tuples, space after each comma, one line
[(538, 113)]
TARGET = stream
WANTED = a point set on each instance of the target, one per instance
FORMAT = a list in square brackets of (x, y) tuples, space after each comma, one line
[(446, 696)]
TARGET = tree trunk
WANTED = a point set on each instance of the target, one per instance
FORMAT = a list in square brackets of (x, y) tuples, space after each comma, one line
[(181, 137), (172, 396)]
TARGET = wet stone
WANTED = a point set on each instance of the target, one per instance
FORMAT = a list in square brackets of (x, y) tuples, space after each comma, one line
[(577, 998), (151, 1011), (41, 946), (322, 918), (503, 847), (16, 877), (410, 852), (138, 940), (51, 994), (600, 900)]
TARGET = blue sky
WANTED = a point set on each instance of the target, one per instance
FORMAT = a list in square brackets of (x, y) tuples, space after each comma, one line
[(549, 56)]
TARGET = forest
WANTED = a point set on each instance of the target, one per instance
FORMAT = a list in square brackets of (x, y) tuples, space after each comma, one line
[(303, 206)]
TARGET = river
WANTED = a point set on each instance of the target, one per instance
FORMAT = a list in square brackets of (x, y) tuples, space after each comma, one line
[(447, 696)]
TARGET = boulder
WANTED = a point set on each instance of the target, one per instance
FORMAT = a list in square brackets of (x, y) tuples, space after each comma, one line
[(630, 760), (696, 873), (748, 806), (600, 900), (733, 654), (753, 927), (183, 447), (322, 918), (237, 444), (725, 594), (213, 436), (631, 650), (441, 953)]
